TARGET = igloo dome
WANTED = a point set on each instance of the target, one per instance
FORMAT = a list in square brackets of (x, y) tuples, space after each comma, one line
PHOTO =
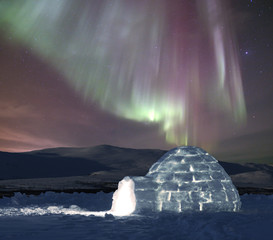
[(186, 179)]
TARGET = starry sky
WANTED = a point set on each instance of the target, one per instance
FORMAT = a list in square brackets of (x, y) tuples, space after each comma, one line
[(138, 74)]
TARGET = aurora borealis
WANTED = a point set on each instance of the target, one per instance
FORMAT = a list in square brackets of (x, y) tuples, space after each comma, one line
[(156, 73)]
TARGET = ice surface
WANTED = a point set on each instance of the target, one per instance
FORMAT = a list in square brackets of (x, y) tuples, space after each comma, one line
[(186, 179)]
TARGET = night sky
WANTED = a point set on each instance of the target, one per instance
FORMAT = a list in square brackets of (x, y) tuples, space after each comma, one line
[(138, 74)]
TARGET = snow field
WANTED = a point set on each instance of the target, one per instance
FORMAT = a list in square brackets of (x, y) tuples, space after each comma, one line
[(66, 216)]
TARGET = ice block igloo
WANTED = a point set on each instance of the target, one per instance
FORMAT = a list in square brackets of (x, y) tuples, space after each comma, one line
[(185, 179)]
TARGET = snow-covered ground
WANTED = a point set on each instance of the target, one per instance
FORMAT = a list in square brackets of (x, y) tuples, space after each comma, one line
[(67, 216), (71, 216)]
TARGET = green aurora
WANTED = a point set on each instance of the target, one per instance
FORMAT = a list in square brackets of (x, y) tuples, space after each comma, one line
[(147, 61)]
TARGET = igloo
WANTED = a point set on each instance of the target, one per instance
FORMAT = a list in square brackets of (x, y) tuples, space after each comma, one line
[(185, 179)]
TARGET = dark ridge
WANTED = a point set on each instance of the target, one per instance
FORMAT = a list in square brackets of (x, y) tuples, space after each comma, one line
[(235, 168), (106, 189), (65, 162), (26, 165), (250, 190), (111, 187)]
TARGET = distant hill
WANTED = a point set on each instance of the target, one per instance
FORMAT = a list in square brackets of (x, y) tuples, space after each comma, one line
[(65, 162)]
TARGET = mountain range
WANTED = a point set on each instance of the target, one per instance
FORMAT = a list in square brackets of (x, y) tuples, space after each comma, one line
[(101, 168)]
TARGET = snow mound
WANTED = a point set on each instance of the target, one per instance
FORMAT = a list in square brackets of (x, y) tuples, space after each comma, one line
[(124, 201), (186, 179)]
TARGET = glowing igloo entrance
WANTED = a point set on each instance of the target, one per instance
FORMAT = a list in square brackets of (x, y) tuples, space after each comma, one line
[(184, 179)]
